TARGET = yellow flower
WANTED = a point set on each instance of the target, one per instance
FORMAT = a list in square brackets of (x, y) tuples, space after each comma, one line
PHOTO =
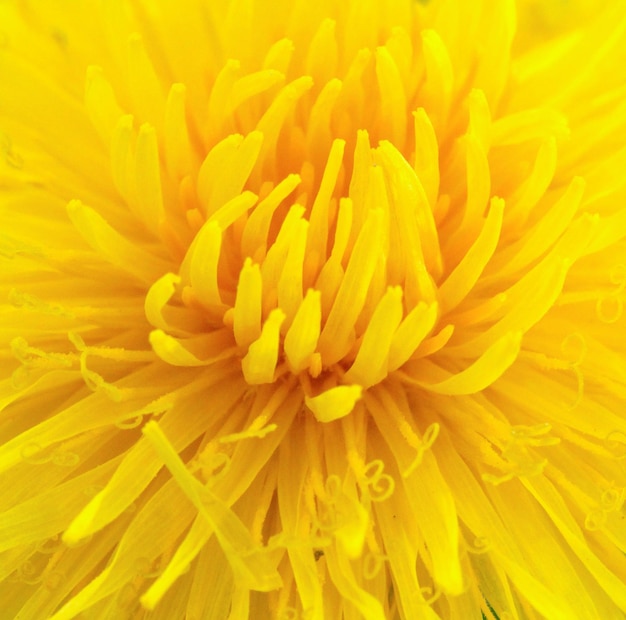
[(312, 310)]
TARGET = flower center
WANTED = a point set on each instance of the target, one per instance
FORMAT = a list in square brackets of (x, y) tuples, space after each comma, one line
[(308, 255), (310, 250)]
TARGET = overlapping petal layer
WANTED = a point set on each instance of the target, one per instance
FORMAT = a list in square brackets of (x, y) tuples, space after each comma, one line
[(312, 310)]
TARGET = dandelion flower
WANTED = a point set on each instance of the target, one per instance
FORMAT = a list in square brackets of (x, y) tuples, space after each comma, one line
[(312, 310)]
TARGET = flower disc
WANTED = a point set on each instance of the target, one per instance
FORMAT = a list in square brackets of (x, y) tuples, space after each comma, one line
[(312, 310)]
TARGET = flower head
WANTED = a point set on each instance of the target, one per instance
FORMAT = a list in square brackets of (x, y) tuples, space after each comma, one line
[(312, 310)]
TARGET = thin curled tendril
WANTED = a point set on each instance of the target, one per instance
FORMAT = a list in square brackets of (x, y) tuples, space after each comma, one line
[(127, 597), (53, 580), (604, 311), (428, 439), (11, 158), (380, 486), (430, 594), (479, 545), (29, 574), (147, 569), (521, 459), (20, 378), (50, 545), (126, 425), (96, 382), (333, 488), (327, 519), (64, 458), (372, 564), (574, 348), (92, 490), (615, 443), (533, 435), (34, 453), (612, 499), (213, 466), (595, 520), (32, 303)]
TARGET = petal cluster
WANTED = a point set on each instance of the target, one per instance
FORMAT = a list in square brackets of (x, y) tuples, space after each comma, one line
[(312, 310)]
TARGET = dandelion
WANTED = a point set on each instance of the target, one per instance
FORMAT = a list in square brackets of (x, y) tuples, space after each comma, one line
[(312, 309)]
